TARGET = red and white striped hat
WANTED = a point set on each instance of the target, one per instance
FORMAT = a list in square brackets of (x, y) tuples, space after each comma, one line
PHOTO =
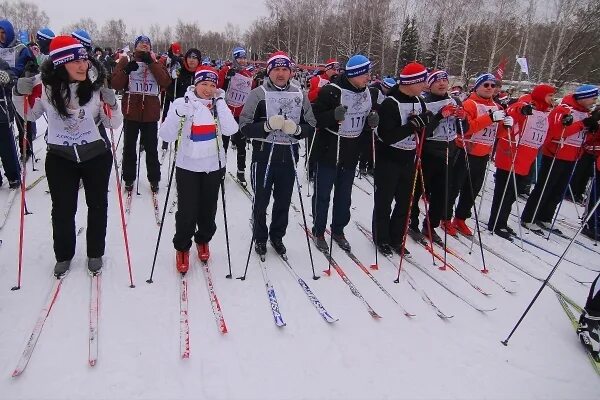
[(64, 49)]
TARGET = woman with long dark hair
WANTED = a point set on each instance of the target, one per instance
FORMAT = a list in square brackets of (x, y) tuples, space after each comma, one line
[(77, 151)]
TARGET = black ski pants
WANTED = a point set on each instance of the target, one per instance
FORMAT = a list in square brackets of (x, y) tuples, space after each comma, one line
[(63, 181), (8, 154), (502, 207), (148, 132)]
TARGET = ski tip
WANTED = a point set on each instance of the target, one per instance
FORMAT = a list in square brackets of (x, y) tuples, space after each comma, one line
[(374, 267)]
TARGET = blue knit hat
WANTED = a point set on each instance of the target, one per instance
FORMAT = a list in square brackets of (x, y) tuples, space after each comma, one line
[(83, 37), (142, 39), (44, 34), (585, 92), (388, 83), (436, 76), (485, 77), (239, 52), (357, 65)]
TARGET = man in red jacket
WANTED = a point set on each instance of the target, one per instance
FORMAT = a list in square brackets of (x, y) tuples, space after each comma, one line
[(516, 151), (236, 80), (569, 123), (329, 72)]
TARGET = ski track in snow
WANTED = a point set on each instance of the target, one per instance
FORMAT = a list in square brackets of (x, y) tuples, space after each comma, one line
[(355, 358)]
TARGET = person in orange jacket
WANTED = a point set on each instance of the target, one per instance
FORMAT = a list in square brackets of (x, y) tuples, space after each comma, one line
[(329, 72), (570, 122), (516, 151), (483, 116)]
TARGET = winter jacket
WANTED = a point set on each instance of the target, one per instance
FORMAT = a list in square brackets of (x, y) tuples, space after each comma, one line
[(225, 75), (315, 84), (17, 55), (76, 138), (482, 130), (523, 140), (573, 136), (326, 140), (442, 132), (254, 116), (6, 107), (396, 137), (200, 147), (183, 80), (141, 107)]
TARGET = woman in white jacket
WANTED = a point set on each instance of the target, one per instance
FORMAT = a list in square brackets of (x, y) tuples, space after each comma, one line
[(200, 162), (77, 150)]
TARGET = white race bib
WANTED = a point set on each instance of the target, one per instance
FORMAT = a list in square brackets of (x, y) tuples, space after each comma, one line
[(79, 129), (238, 90), (9, 54), (359, 106), (535, 130), (488, 134), (578, 138), (406, 110), (288, 104), (142, 81), (446, 130)]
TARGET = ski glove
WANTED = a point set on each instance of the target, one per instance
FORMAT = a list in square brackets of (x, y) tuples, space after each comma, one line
[(108, 96), (230, 73), (4, 78), (419, 121), (25, 85), (290, 127), (373, 120), (275, 122), (591, 124), (508, 122), (595, 115), (497, 115), (460, 113), (184, 109), (340, 113), (146, 57), (527, 109), (131, 66), (448, 110), (567, 119)]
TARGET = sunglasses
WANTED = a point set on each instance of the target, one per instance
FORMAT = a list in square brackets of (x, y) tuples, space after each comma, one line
[(488, 85)]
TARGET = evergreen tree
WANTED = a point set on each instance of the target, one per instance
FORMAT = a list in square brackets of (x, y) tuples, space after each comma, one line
[(433, 57), (410, 41)]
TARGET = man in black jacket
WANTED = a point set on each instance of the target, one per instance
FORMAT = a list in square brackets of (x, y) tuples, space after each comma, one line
[(343, 110), (275, 116)]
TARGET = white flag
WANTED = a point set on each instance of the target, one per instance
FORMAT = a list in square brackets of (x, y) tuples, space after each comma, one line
[(522, 61)]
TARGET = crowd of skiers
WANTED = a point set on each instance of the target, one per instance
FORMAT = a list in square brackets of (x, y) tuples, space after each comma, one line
[(416, 136)]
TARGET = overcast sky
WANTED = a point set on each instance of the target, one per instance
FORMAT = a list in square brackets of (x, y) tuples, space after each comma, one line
[(210, 14)]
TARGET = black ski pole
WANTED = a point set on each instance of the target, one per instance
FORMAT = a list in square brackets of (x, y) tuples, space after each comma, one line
[(562, 256)]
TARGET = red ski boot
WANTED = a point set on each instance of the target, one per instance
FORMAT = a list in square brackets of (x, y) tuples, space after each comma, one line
[(449, 228), (182, 261), (462, 227), (203, 251)]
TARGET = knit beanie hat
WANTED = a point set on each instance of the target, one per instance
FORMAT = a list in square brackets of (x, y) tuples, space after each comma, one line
[(357, 65), (83, 37), (64, 49), (331, 63), (436, 76), (585, 92), (413, 73), (278, 59), (485, 77), (142, 39), (388, 83), (44, 34), (239, 52), (206, 73)]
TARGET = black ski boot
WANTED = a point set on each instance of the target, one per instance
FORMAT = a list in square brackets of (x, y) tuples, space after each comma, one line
[(321, 243), (385, 249), (95, 265), (434, 236), (61, 268), (398, 249), (261, 249), (278, 246), (342, 242), (589, 333), (416, 234), (241, 176), (129, 186), (503, 233), (154, 186)]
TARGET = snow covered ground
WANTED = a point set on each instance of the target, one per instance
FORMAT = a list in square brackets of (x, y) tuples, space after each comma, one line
[(357, 357)]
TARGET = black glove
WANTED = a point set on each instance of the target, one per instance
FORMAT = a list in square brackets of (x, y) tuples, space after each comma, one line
[(145, 57), (591, 124), (567, 120), (131, 66), (230, 73), (340, 113), (596, 114), (527, 109), (373, 119), (421, 120)]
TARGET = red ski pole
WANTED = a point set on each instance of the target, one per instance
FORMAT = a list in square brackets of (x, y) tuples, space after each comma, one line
[(23, 176), (108, 112)]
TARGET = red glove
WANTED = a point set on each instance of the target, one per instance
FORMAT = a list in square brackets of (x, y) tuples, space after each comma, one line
[(448, 110), (460, 113)]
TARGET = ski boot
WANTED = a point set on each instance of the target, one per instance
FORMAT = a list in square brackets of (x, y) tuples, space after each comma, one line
[(261, 249), (14, 184), (321, 243), (449, 228), (397, 248), (95, 265), (434, 236), (154, 186), (278, 246), (182, 261), (129, 186), (342, 242), (241, 176), (61, 268), (203, 251), (503, 233), (385, 249), (461, 227), (589, 334)]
